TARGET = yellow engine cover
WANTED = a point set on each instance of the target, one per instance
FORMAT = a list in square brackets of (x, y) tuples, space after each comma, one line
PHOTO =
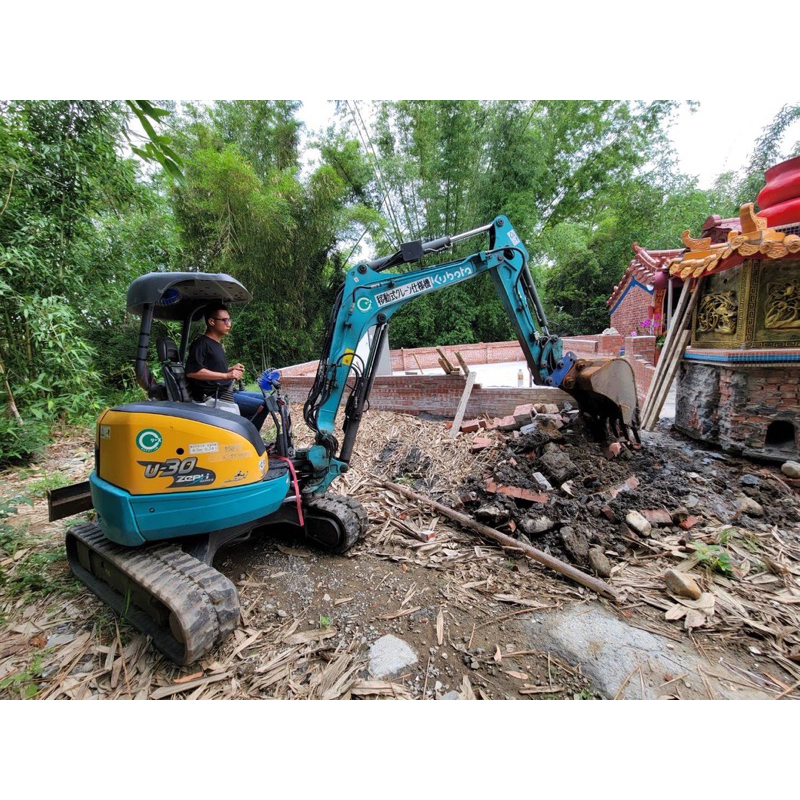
[(153, 453)]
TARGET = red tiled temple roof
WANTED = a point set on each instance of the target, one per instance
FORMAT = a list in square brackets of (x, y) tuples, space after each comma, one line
[(645, 266), (749, 238)]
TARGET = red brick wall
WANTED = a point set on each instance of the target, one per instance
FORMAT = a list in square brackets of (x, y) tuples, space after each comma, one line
[(632, 311), (405, 360), (438, 395), (734, 406)]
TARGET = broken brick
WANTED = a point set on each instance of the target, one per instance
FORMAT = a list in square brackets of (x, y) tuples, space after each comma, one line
[(522, 414), (689, 523), (507, 423), (516, 493), (479, 444), (609, 514), (613, 450), (628, 486), (657, 516), (471, 426)]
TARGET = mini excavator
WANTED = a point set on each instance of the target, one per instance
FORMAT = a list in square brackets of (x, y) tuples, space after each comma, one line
[(175, 480)]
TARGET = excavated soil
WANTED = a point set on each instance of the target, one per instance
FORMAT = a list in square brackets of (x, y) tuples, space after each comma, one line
[(459, 601)]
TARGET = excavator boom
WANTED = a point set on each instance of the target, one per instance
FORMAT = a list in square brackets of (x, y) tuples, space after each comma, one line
[(605, 390)]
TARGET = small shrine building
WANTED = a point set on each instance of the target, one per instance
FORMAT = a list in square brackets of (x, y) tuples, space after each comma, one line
[(739, 379)]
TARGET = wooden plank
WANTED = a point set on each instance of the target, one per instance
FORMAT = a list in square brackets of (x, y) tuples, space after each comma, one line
[(449, 368), (462, 405), (678, 322), (657, 404), (677, 347), (567, 570), (463, 363), (673, 349)]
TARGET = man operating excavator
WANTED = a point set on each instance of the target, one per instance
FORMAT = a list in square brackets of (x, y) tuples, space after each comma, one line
[(207, 370)]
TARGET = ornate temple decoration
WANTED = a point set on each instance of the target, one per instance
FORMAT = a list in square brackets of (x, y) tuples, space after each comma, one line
[(718, 313), (783, 305), (703, 257)]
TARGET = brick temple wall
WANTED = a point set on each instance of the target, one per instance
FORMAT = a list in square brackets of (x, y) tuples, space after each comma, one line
[(632, 310), (733, 406)]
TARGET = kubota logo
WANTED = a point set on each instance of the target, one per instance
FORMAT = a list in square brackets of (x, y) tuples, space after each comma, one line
[(149, 441)]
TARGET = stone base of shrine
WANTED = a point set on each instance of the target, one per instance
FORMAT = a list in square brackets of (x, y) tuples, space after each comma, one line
[(745, 401)]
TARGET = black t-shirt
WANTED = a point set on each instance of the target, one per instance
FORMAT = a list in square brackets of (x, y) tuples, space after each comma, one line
[(206, 353)]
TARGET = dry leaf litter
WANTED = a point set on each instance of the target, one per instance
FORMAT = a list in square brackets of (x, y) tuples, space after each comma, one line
[(308, 619)]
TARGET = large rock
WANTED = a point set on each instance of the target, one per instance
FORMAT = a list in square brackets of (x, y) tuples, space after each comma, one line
[(599, 563), (557, 464), (746, 505), (791, 469), (611, 652), (576, 544), (389, 656), (535, 525)]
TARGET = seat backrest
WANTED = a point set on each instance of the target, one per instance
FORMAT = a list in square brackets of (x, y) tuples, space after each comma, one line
[(174, 373)]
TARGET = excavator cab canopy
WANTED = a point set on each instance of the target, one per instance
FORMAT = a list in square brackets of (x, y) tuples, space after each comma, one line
[(178, 295)]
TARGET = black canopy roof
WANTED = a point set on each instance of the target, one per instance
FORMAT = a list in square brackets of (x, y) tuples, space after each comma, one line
[(176, 295)]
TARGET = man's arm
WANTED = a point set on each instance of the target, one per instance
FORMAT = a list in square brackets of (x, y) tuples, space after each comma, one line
[(234, 374)]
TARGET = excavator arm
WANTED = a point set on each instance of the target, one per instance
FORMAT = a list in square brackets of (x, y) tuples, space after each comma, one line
[(370, 297)]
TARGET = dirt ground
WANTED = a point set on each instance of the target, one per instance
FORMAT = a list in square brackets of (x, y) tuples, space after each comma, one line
[(459, 601)]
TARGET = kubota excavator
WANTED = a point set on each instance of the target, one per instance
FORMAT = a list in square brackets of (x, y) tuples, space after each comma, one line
[(175, 480)]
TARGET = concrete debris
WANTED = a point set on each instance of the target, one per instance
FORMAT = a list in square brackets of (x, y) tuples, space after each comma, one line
[(599, 562), (389, 656), (533, 526), (638, 523), (576, 544), (492, 515), (557, 464)]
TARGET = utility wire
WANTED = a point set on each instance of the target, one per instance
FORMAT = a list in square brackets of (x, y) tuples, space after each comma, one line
[(368, 146)]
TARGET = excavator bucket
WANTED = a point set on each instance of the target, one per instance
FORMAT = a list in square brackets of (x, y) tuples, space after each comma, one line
[(606, 391)]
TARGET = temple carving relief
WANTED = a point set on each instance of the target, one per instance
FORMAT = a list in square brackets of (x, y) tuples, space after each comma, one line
[(783, 305), (718, 313)]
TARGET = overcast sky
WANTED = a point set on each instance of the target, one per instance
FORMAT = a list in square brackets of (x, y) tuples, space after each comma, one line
[(712, 140)]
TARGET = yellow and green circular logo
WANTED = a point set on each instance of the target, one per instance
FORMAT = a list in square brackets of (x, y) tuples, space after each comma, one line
[(148, 441)]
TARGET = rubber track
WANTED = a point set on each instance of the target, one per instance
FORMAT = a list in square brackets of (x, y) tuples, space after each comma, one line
[(348, 511), (204, 602)]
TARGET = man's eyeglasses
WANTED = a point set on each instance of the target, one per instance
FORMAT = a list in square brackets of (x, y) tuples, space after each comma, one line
[(226, 320)]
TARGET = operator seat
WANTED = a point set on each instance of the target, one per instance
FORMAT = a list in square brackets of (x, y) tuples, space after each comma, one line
[(174, 372)]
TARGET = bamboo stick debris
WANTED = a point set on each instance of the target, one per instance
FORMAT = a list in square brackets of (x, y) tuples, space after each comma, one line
[(567, 570)]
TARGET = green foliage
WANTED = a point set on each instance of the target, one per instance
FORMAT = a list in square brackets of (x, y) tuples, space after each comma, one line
[(23, 684), (76, 226), (244, 210), (18, 443), (714, 557), (41, 487)]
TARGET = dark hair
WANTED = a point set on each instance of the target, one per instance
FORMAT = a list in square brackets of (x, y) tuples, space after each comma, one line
[(211, 311)]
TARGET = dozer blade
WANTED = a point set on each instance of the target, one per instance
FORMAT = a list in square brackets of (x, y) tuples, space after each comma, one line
[(184, 605), (606, 390)]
